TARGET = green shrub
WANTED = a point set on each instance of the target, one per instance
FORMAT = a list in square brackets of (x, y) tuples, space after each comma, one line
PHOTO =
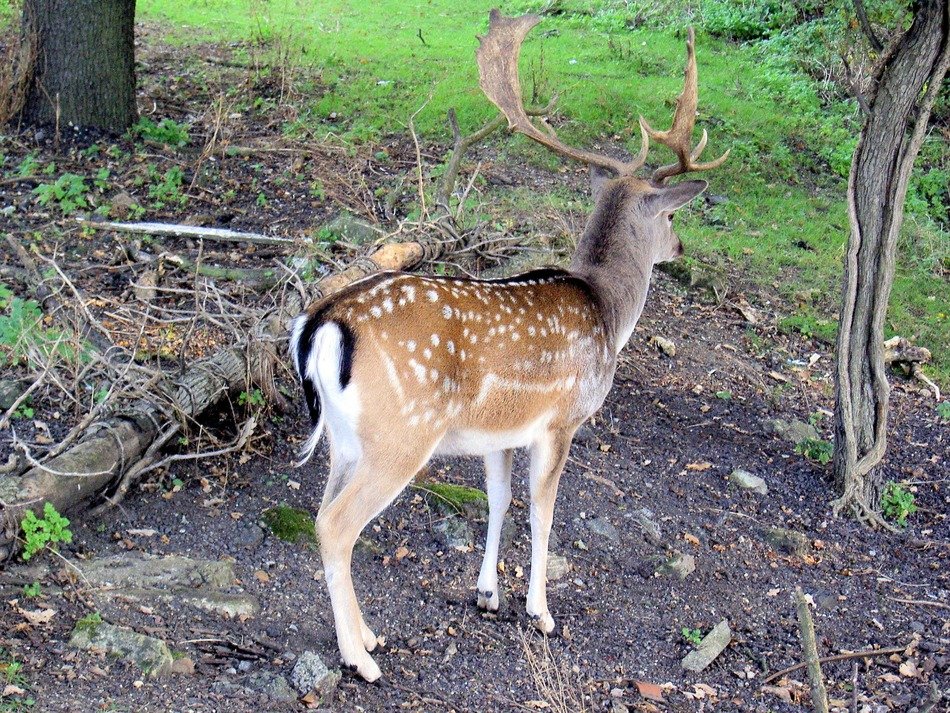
[(167, 132), (68, 192), (897, 503), (23, 335), (816, 449), (943, 410), (41, 532)]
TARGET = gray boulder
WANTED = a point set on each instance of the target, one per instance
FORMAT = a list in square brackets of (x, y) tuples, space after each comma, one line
[(792, 431), (745, 480), (148, 653), (311, 674)]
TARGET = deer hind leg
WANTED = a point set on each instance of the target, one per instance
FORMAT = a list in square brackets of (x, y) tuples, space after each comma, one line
[(374, 483), (498, 486), (547, 462)]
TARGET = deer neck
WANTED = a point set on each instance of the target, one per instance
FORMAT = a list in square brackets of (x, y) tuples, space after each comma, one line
[(617, 263)]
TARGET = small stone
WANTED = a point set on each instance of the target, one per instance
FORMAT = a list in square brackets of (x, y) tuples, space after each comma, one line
[(709, 648), (651, 530), (665, 345), (602, 526), (558, 567), (455, 533), (792, 431), (145, 287), (790, 542), (148, 653), (272, 685), (352, 229), (311, 674), (10, 391), (122, 205), (679, 564), (248, 537), (183, 666), (745, 480), (244, 666)]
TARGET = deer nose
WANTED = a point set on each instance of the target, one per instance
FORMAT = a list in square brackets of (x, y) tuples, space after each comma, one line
[(679, 250)]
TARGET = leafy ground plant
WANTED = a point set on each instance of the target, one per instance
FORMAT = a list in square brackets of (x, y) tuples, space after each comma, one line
[(897, 503), (42, 532), (24, 337), (692, 636), (167, 132), (943, 410), (68, 192), (816, 449)]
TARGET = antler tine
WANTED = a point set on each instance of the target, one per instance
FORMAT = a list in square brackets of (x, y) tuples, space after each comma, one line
[(497, 56), (680, 135)]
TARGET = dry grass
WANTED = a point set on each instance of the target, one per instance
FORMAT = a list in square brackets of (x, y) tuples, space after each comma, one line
[(557, 684)]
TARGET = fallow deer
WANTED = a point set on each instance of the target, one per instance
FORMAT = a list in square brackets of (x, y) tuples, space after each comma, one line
[(399, 367)]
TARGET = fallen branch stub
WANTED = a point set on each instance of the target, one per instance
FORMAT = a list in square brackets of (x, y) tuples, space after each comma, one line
[(899, 352), (111, 453)]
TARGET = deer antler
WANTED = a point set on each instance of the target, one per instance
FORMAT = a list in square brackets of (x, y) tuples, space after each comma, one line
[(680, 135), (497, 56)]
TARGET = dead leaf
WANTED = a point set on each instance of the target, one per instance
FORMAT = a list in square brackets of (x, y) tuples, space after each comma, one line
[(540, 705), (146, 532), (37, 617), (909, 669), (700, 466), (401, 553), (262, 576), (293, 485), (783, 692), (773, 592), (890, 678), (11, 690), (691, 539), (649, 690)]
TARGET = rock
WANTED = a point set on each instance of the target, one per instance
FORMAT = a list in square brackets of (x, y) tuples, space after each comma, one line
[(122, 204), (649, 527), (558, 567), (709, 648), (455, 533), (350, 228), (451, 499), (248, 537), (183, 666), (148, 653), (311, 674), (678, 564), (793, 431), (272, 685), (149, 571), (244, 666), (790, 542), (145, 287), (603, 527), (665, 345), (745, 480), (10, 391)]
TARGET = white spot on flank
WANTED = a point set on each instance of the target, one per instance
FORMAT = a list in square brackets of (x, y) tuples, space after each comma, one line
[(432, 295), (388, 305), (446, 311), (450, 345), (419, 370), (410, 292), (515, 336), (427, 353), (376, 311), (435, 340), (410, 346)]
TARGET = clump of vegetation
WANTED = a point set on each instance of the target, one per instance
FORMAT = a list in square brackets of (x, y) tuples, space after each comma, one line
[(166, 187), (167, 132), (24, 337), (897, 503), (48, 531), (68, 192), (254, 398), (816, 449), (455, 499), (692, 636), (290, 524), (89, 623), (943, 410), (31, 591)]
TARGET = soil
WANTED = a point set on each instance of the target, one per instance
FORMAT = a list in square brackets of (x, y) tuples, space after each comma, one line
[(669, 435)]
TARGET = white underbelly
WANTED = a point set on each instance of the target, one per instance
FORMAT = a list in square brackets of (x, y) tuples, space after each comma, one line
[(476, 442)]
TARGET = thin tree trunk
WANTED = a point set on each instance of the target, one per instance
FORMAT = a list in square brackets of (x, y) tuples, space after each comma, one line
[(85, 63), (906, 84)]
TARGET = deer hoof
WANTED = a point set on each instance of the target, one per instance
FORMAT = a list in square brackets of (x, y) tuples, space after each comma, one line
[(544, 622), (488, 601)]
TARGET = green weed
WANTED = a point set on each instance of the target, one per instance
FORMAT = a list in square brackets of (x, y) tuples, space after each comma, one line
[(41, 532), (166, 132), (692, 636), (816, 449), (290, 524), (166, 187), (24, 338), (897, 503), (943, 410), (68, 192), (254, 398), (31, 591), (89, 623)]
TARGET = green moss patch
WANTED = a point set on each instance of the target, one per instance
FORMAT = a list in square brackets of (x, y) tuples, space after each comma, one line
[(290, 524), (455, 499)]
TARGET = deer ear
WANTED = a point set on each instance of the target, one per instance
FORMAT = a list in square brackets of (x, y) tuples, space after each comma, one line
[(674, 197), (599, 177)]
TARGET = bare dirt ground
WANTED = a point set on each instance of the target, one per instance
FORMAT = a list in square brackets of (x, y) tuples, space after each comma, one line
[(671, 432)]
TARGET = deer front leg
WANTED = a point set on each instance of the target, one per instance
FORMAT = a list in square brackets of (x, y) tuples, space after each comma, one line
[(547, 461), (498, 486)]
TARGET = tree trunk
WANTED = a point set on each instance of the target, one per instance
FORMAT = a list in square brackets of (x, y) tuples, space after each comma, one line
[(906, 83), (85, 63)]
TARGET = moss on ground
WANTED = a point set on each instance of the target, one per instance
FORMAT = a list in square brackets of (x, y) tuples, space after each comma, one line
[(455, 499), (290, 524)]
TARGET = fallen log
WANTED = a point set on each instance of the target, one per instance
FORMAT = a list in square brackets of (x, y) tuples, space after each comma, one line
[(112, 450), (188, 231)]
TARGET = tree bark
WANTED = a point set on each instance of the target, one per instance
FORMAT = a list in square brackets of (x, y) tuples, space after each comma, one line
[(906, 84), (85, 63)]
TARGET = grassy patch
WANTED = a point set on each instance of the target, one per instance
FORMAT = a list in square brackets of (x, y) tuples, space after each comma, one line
[(290, 524), (455, 499)]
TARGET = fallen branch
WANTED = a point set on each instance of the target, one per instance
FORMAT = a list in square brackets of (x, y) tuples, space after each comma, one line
[(868, 653), (188, 231), (806, 627), (254, 277)]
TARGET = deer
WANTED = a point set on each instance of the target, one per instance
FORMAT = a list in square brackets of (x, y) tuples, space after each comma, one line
[(400, 367)]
